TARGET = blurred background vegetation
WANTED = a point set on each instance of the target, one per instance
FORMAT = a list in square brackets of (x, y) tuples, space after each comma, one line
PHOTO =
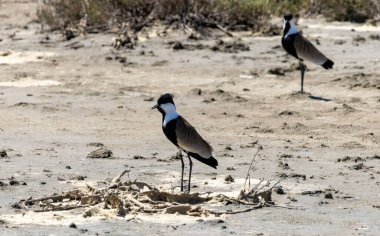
[(227, 13)]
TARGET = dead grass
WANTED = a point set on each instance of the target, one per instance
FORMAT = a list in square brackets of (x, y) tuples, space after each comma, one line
[(346, 10), (138, 197), (232, 14)]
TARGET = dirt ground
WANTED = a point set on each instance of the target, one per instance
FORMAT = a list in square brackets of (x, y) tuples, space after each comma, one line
[(57, 97)]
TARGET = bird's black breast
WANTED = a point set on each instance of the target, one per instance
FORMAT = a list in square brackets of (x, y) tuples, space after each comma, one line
[(288, 45), (169, 131)]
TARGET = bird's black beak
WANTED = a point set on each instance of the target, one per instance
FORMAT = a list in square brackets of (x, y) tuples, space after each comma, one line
[(155, 106)]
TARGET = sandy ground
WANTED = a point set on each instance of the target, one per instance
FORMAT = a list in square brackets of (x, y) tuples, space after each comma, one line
[(55, 100)]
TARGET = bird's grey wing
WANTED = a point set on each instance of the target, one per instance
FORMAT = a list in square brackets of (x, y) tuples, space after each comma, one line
[(190, 140), (307, 51)]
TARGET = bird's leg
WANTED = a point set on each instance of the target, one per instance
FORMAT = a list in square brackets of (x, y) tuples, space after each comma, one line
[(190, 169), (183, 168), (302, 68)]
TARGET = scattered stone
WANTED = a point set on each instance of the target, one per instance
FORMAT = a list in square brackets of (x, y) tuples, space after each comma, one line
[(357, 167), (323, 203), (72, 225), (160, 63), (209, 100), (277, 71), (149, 99), (102, 152), (329, 196), (292, 199), (229, 47), (312, 192), (375, 36), (358, 39), (340, 42), (16, 205), (6, 53), (196, 91), (122, 40), (69, 34), (284, 165), (178, 46), (286, 156), (14, 182), (95, 144), (295, 175), (229, 179), (287, 113), (348, 158), (279, 190), (138, 157), (3, 153)]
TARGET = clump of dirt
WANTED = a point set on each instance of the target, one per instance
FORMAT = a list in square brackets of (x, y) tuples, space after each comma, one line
[(358, 167), (375, 36), (281, 71), (345, 108), (287, 113), (350, 159), (3, 153), (359, 80), (184, 46), (229, 47), (358, 39), (225, 96), (102, 152), (229, 179)]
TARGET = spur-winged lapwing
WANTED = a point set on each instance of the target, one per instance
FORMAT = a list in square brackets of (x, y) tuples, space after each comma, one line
[(183, 135), (301, 48)]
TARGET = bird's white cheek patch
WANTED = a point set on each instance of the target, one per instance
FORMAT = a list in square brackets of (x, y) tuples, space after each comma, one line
[(170, 113)]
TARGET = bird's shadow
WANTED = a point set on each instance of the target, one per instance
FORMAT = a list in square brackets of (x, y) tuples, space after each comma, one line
[(320, 98)]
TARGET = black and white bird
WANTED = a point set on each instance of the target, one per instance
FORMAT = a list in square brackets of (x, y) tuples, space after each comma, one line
[(184, 136), (298, 46)]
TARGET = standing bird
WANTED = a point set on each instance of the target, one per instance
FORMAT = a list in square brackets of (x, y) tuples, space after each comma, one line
[(184, 136), (301, 48)]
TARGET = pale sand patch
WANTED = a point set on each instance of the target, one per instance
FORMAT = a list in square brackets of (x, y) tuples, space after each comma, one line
[(342, 26), (62, 218), (29, 82), (12, 57)]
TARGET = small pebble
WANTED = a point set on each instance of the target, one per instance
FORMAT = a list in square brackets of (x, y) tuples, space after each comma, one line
[(73, 225)]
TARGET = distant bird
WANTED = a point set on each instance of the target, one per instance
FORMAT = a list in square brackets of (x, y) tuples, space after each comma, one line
[(301, 48), (184, 136)]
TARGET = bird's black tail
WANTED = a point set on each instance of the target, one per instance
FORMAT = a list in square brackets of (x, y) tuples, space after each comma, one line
[(211, 161), (328, 64)]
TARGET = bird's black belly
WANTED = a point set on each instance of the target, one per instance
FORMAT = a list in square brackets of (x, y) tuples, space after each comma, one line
[(288, 45)]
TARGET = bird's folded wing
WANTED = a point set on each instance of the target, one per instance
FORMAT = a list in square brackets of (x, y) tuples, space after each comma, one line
[(189, 139), (306, 50)]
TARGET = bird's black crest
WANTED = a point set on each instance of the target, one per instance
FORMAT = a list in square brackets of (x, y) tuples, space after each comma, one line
[(166, 98), (288, 17)]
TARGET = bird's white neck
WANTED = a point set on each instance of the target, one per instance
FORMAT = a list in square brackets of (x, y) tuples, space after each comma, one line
[(170, 113), (293, 29)]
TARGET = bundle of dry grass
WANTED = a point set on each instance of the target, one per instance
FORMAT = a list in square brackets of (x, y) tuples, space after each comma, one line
[(132, 197), (230, 14)]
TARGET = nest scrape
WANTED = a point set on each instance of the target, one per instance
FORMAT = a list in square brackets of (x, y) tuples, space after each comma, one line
[(133, 197)]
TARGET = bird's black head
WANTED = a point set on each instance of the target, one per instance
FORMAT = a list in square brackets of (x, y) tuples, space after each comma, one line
[(288, 17), (165, 103), (289, 26)]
